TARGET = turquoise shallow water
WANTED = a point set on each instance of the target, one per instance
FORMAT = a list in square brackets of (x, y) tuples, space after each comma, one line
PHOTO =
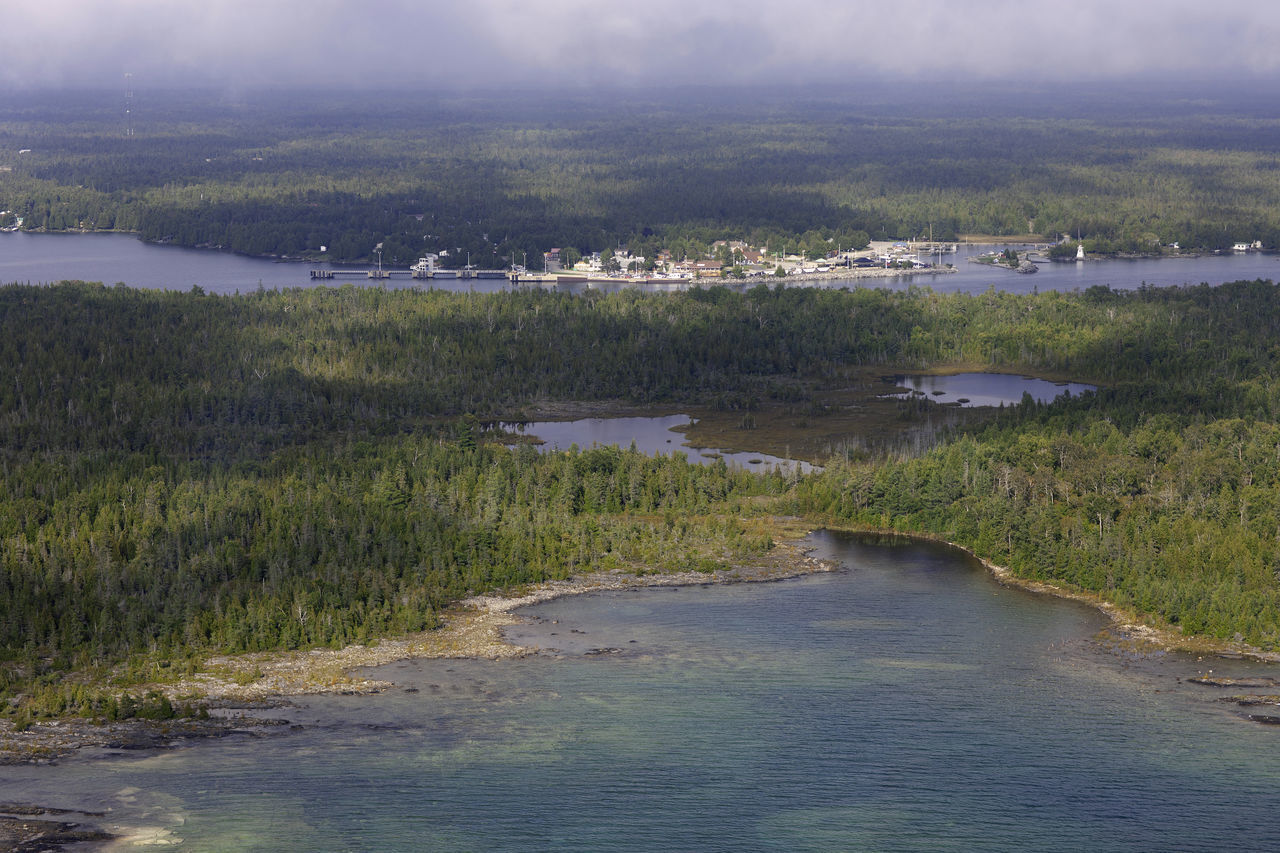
[(905, 703)]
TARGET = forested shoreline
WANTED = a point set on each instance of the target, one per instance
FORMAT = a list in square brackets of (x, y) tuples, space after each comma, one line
[(187, 474)]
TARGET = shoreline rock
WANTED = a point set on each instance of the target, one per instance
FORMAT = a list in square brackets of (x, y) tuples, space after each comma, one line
[(32, 829), (472, 629)]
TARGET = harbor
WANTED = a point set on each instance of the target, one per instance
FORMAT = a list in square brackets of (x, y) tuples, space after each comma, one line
[(116, 258), (376, 274)]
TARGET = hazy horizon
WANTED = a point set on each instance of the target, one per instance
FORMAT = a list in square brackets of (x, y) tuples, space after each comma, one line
[(578, 45)]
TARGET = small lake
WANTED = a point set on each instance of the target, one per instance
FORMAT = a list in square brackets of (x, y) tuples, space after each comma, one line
[(988, 389), (664, 433), (905, 703), (115, 258), (650, 435)]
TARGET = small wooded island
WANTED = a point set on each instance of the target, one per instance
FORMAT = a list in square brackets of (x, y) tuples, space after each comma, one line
[(188, 475)]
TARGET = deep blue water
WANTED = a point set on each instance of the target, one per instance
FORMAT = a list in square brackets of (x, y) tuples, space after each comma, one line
[(906, 703)]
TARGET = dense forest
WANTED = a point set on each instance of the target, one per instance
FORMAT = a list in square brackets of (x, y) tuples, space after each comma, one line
[(184, 474), (500, 179)]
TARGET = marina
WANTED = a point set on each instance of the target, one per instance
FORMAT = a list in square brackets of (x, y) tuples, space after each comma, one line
[(113, 258), (381, 274)]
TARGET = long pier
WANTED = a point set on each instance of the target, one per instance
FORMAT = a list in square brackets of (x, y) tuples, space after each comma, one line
[(514, 277), (376, 274)]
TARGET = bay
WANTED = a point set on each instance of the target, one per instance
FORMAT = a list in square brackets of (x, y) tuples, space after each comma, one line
[(906, 702), (122, 258)]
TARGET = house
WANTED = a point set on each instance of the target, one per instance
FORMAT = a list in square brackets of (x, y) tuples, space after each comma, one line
[(699, 269)]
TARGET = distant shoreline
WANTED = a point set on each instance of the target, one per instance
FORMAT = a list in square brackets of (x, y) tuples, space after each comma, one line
[(561, 276)]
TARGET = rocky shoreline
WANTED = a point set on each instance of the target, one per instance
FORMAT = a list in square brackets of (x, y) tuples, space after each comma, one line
[(473, 629), (32, 829), (230, 686), (1132, 635), (1135, 635), (1132, 629)]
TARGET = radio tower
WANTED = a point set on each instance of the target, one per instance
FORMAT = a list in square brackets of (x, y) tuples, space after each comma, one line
[(128, 104)]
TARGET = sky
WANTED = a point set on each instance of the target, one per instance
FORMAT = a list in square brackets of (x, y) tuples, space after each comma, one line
[(437, 44)]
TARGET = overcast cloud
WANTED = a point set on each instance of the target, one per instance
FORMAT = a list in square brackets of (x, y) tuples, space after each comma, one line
[(483, 43)]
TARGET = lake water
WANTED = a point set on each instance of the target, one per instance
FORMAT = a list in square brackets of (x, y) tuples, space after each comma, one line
[(664, 433), (1120, 274), (905, 703), (988, 389), (650, 435), (113, 258)]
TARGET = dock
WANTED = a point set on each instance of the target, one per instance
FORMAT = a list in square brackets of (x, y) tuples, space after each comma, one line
[(513, 276), (331, 274), (531, 278)]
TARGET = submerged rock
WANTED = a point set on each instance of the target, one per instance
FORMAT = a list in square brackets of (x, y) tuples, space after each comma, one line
[(1250, 701), (1223, 681), (33, 831)]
